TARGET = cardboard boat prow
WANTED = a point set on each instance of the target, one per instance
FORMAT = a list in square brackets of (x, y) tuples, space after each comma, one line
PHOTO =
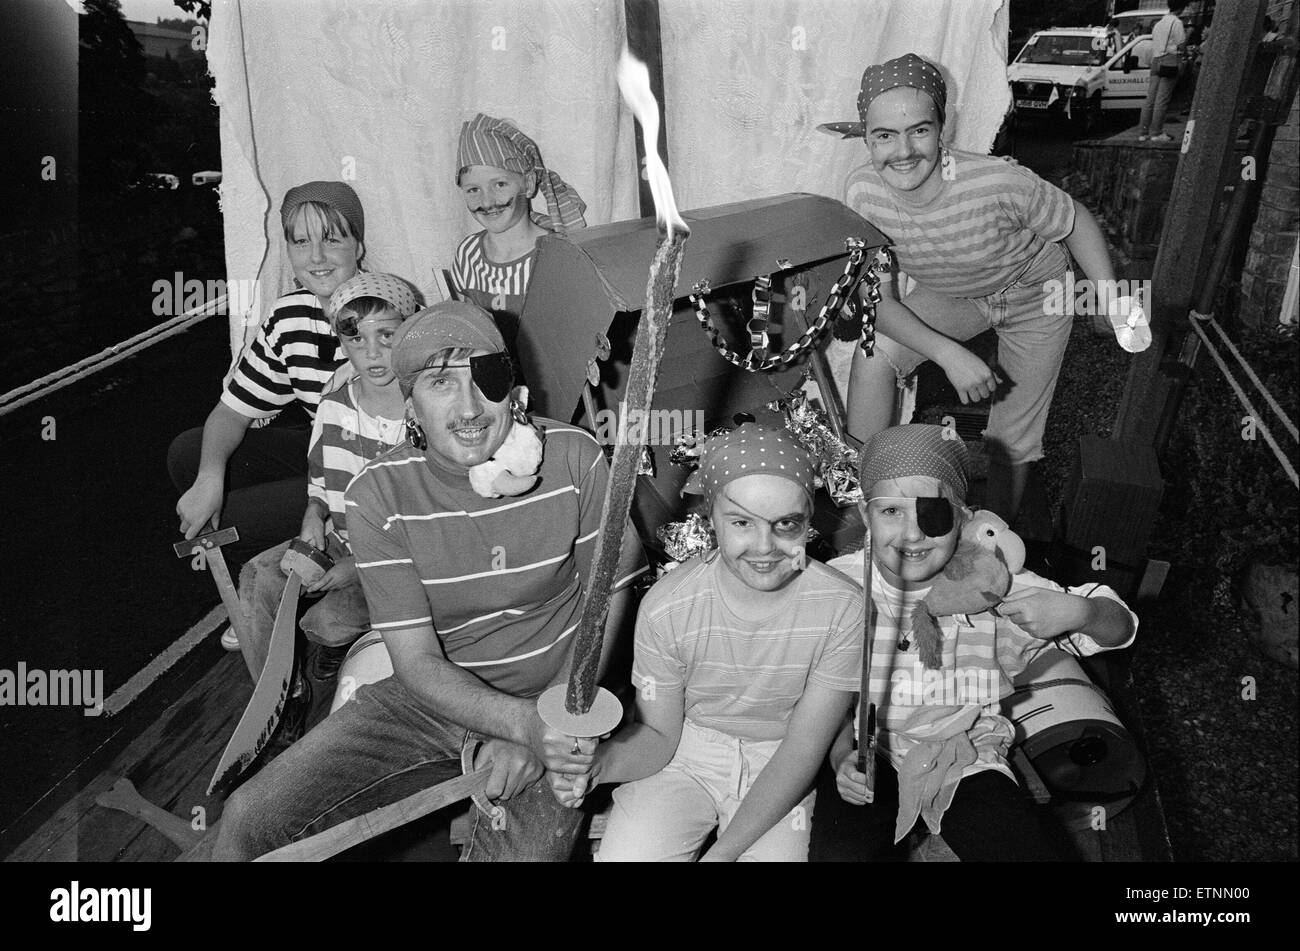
[(592, 282)]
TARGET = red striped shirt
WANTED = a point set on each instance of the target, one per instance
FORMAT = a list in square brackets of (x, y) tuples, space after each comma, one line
[(500, 580)]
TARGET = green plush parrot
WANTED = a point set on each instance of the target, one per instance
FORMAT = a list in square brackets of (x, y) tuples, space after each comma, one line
[(976, 578)]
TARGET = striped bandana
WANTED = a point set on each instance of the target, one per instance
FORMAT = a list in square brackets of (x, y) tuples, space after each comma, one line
[(337, 195), (389, 288), (750, 450), (909, 70), (499, 144), (917, 450)]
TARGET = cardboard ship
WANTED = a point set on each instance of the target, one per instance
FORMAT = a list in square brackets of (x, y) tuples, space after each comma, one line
[(589, 287)]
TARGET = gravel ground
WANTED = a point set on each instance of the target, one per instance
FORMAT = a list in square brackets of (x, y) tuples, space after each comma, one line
[(1226, 765)]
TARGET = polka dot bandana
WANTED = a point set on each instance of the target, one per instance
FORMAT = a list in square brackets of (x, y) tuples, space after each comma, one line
[(449, 325), (337, 195), (917, 450), (387, 287), (751, 450), (910, 71)]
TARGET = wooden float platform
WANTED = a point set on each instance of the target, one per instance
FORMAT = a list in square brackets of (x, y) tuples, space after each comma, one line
[(171, 756)]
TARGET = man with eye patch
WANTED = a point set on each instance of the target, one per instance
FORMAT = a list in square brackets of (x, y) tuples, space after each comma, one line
[(477, 593)]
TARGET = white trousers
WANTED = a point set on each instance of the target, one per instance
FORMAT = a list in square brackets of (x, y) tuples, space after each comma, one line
[(668, 816)]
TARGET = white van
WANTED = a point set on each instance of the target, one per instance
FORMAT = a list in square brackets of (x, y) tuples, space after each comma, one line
[(205, 178), (1079, 72)]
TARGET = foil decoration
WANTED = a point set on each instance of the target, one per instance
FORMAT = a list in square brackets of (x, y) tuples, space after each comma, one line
[(690, 446), (834, 462), (687, 538), (646, 467)]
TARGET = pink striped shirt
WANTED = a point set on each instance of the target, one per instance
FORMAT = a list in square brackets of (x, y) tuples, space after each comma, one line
[(979, 233)]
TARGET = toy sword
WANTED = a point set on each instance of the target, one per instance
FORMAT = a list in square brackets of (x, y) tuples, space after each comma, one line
[(867, 709), (301, 562), (209, 547), (587, 710)]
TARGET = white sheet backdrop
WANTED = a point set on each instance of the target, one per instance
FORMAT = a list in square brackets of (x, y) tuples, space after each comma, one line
[(374, 92)]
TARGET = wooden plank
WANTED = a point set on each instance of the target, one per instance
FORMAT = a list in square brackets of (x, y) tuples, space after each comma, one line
[(1212, 128), (167, 762)]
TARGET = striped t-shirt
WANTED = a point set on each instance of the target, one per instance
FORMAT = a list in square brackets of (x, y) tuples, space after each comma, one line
[(497, 288), (500, 580), (344, 437), (979, 233), (981, 656), (292, 358), (741, 677)]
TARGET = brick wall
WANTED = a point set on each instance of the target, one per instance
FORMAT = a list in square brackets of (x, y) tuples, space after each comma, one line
[(1273, 235)]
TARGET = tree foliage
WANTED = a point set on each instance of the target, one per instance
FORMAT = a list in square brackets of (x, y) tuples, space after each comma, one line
[(112, 104)]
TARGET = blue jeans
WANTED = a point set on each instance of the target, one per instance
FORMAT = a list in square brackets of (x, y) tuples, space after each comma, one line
[(380, 748), (336, 619), (1031, 349), (1159, 91)]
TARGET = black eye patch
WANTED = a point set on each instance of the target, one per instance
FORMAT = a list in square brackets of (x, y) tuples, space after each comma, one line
[(934, 517), (492, 373)]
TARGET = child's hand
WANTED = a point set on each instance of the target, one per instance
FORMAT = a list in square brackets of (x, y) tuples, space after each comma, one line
[(313, 529), (850, 782), (200, 506), (342, 574), (970, 376), (569, 791), (568, 755), (1045, 614)]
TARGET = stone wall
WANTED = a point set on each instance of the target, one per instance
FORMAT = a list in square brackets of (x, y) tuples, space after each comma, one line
[(1127, 184)]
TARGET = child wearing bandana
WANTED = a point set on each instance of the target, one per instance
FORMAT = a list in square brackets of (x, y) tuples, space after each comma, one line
[(499, 170), (979, 243), (943, 741), (745, 661), (354, 424)]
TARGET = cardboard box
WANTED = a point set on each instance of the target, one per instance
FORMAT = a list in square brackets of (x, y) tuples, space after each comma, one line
[(593, 282)]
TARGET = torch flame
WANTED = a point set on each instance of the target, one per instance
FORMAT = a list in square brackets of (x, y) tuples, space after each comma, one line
[(634, 83)]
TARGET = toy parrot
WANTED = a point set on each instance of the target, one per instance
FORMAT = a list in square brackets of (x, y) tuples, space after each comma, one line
[(512, 470), (976, 578)]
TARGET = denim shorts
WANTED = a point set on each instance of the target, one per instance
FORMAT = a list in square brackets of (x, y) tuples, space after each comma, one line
[(1031, 348)]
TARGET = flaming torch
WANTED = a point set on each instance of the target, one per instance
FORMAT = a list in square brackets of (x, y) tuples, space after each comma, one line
[(587, 710)]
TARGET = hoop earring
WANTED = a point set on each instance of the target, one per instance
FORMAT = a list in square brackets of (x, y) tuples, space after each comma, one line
[(517, 411), (414, 434)]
